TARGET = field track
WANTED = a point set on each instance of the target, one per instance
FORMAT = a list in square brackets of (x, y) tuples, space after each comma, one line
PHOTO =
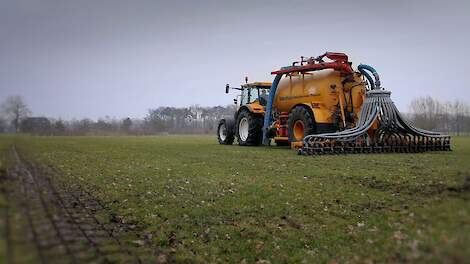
[(62, 223)]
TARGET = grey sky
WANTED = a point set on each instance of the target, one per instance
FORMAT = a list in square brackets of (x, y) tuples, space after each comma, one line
[(91, 58)]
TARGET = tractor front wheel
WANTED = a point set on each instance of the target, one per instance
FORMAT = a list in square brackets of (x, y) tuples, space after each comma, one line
[(300, 124), (249, 128)]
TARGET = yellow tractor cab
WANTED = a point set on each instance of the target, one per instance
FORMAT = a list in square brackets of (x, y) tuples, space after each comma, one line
[(254, 96)]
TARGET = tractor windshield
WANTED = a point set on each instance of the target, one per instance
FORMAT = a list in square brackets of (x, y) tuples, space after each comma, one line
[(249, 95)]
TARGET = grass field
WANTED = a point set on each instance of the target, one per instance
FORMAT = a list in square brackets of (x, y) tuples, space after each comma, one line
[(4, 143), (198, 201)]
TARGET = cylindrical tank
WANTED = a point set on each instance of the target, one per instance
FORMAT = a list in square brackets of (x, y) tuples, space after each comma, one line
[(321, 91)]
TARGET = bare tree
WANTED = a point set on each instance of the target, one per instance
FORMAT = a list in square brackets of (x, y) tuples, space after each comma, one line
[(59, 127), (126, 125), (16, 110), (426, 112), (459, 110)]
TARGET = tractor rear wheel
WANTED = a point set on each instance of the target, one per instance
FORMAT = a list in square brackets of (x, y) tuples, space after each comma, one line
[(300, 124), (249, 128), (225, 131)]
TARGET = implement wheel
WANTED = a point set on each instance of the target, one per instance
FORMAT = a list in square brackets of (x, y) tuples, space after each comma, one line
[(300, 124), (225, 131), (249, 128)]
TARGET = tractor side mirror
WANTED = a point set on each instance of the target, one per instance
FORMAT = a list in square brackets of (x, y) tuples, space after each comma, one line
[(227, 87), (235, 101)]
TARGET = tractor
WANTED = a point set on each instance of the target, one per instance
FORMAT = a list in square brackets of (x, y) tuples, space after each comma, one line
[(247, 123)]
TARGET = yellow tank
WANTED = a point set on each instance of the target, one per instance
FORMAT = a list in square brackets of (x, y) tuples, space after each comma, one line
[(324, 94)]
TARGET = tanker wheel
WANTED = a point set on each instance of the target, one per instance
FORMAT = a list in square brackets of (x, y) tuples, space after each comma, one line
[(225, 133), (249, 128), (300, 124)]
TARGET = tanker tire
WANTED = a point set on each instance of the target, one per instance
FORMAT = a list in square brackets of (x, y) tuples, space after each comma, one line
[(249, 128), (300, 113), (225, 131)]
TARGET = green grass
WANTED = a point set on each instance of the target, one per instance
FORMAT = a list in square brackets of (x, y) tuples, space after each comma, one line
[(200, 201), (5, 143)]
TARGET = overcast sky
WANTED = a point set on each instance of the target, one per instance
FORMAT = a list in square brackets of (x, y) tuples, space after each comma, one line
[(92, 58)]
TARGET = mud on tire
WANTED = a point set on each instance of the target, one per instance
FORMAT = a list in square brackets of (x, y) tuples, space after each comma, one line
[(249, 128)]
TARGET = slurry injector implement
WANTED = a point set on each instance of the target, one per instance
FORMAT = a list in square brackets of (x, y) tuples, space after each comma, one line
[(320, 105)]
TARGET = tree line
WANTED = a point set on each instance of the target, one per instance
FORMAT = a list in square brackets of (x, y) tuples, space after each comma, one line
[(15, 116), (449, 117)]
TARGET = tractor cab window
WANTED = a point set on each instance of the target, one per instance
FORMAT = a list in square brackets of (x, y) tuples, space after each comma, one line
[(263, 96), (260, 94), (249, 95)]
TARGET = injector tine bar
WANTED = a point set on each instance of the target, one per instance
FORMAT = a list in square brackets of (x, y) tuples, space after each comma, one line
[(380, 128)]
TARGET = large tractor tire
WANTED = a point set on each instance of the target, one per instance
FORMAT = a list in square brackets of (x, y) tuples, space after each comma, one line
[(300, 124), (226, 131), (249, 128)]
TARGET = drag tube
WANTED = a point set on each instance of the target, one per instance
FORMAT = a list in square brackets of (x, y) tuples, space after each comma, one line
[(374, 84), (269, 107)]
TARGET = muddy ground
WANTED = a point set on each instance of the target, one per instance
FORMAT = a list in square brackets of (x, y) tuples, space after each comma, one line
[(47, 222)]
